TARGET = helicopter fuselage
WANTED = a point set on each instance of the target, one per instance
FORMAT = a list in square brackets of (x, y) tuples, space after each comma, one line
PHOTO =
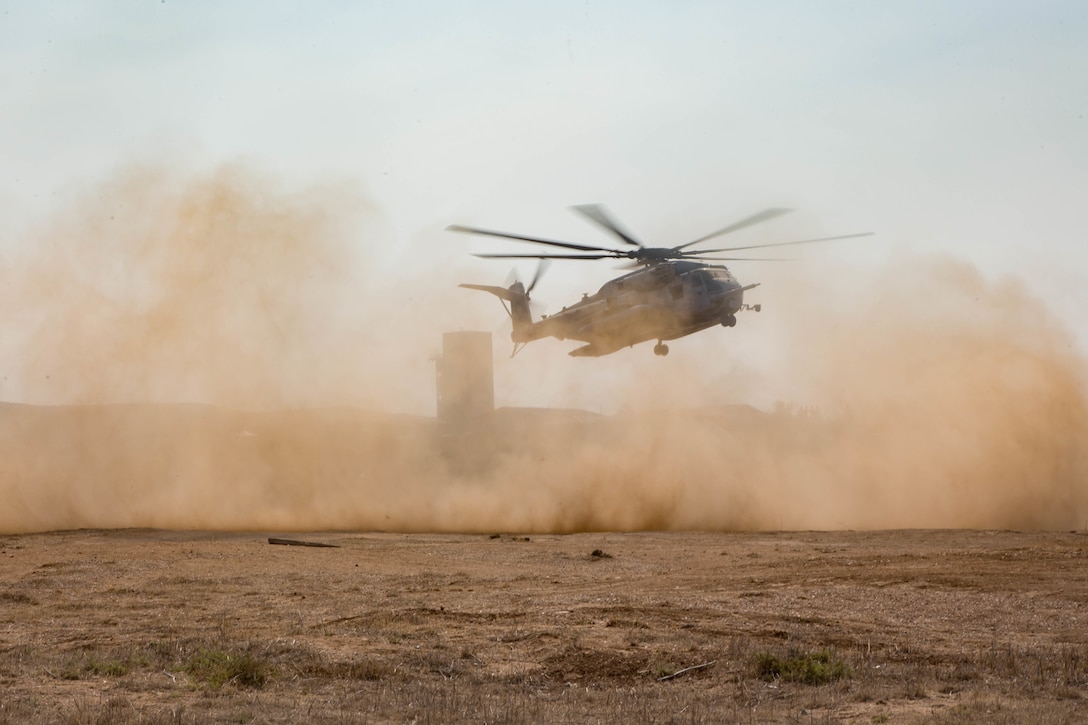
[(662, 301)]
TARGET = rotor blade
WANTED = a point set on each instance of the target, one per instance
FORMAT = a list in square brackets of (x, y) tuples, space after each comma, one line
[(745, 259), (782, 244), (756, 218), (551, 256), (597, 214), (520, 238), (638, 265), (545, 262)]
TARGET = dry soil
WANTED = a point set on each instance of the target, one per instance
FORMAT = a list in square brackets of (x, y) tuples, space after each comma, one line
[(156, 626)]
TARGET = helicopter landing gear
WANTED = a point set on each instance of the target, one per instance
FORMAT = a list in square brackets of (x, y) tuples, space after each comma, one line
[(661, 349), (729, 321)]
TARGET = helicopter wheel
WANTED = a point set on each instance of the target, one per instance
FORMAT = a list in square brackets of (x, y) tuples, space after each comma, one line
[(661, 349), (729, 321)]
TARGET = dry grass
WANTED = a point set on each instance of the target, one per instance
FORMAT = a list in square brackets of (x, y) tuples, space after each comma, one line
[(249, 633)]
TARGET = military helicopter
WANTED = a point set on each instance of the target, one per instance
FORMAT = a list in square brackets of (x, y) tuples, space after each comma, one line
[(672, 293)]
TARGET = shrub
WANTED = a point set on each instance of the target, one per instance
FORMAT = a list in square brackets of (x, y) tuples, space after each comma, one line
[(216, 668), (812, 668)]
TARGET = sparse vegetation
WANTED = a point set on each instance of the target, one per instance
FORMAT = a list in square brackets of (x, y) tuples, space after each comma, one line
[(810, 668), (542, 635), (92, 664), (218, 667), (366, 670), (663, 668)]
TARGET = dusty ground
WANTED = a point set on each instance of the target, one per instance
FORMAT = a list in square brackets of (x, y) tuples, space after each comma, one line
[(138, 625)]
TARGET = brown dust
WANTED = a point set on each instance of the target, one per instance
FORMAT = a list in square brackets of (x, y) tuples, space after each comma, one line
[(219, 352)]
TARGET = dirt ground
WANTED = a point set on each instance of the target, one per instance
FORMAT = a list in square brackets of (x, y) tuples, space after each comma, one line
[(903, 626)]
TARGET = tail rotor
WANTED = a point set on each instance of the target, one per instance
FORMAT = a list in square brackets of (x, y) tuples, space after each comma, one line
[(515, 297)]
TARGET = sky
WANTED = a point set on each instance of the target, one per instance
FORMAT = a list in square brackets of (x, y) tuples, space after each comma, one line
[(949, 129)]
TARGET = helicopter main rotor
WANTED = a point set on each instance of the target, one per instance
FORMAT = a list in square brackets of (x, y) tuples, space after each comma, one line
[(641, 254)]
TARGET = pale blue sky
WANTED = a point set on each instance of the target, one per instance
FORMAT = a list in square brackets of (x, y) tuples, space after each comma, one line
[(955, 109), (954, 127)]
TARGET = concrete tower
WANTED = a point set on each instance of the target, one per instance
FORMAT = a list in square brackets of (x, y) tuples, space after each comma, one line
[(465, 377)]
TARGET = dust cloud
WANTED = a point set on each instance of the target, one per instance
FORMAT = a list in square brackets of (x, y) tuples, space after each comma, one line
[(218, 352), (152, 287)]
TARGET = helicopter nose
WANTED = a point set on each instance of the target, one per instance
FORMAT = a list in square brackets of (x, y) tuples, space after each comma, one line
[(730, 287)]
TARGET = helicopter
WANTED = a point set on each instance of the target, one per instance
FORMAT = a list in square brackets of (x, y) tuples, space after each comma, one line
[(672, 293)]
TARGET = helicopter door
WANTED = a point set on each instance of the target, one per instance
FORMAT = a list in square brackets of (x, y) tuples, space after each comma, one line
[(700, 300)]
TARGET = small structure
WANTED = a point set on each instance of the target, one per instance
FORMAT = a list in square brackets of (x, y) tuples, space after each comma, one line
[(465, 378)]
